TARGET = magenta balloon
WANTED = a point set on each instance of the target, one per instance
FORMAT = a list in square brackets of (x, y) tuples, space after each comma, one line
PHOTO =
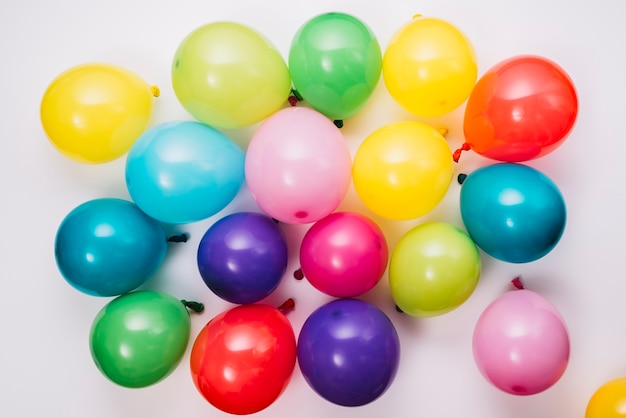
[(521, 344), (344, 254), (298, 167)]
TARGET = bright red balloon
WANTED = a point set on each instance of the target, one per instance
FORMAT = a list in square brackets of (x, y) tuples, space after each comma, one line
[(242, 360), (521, 109)]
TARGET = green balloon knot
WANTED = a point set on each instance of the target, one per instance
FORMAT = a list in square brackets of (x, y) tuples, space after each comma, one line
[(178, 238), (196, 307), (296, 94)]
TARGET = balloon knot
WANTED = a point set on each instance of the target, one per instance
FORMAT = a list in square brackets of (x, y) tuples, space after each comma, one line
[(292, 100), (443, 131), (178, 238), (457, 153), (298, 274), (461, 178), (196, 307), (156, 91), (287, 305), (338, 123), (398, 309), (517, 283)]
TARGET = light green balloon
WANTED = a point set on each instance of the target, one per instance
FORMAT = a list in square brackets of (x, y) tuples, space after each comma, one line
[(228, 75), (335, 62), (434, 268)]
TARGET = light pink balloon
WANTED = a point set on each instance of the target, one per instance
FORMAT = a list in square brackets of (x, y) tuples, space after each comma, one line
[(298, 166), (344, 254), (521, 343)]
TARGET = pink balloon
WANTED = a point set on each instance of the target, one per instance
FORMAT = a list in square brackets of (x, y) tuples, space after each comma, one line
[(344, 254), (298, 166), (521, 344)]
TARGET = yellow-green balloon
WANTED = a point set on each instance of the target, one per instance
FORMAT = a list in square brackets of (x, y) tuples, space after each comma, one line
[(228, 75), (434, 268)]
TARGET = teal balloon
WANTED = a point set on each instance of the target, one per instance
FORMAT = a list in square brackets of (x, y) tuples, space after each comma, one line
[(139, 338), (335, 63), (183, 172), (108, 246), (513, 212)]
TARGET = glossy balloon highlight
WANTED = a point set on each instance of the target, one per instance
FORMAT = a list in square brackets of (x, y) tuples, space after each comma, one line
[(107, 247), (402, 170), (521, 343), (344, 254), (298, 166), (139, 338), (434, 268), (243, 359), (429, 66), (522, 108), (335, 63), (184, 171), (228, 75), (93, 113), (513, 212), (243, 257), (348, 352)]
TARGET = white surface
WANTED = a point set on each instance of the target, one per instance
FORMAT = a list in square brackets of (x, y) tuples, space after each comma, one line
[(45, 365)]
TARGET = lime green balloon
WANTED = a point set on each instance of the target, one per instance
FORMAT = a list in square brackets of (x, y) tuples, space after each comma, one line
[(139, 338), (228, 75), (335, 63), (434, 268)]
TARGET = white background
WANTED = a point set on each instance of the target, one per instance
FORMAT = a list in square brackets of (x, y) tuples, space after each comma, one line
[(45, 366)]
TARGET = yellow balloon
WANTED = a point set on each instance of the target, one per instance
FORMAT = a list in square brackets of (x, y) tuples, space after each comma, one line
[(93, 113), (429, 67), (609, 401), (228, 75), (402, 170)]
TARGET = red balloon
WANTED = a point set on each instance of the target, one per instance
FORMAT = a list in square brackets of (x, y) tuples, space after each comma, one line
[(242, 360), (521, 109)]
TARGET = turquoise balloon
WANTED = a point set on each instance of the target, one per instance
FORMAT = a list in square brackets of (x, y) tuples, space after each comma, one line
[(107, 247), (183, 172), (139, 338), (335, 62), (513, 212)]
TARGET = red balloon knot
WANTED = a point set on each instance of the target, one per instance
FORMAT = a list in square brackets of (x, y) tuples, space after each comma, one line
[(293, 100), (457, 154), (298, 274), (517, 282), (287, 305)]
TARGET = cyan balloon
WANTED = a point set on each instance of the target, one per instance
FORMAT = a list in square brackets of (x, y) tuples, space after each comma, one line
[(182, 172), (513, 212), (107, 247)]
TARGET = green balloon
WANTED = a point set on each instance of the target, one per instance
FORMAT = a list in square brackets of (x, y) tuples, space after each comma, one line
[(139, 338), (335, 63), (434, 268)]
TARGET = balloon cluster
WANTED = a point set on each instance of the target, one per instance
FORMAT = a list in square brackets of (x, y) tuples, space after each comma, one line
[(298, 169)]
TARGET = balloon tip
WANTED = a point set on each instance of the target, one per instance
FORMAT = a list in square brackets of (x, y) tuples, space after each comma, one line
[(338, 123), (517, 283), (443, 131), (287, 305), (196, 307), (178, 238), (457, 154), (461, 178), (156, 91), (298, 274)]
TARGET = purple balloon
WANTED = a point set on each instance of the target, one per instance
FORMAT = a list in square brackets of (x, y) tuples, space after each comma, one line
[(242, 257), (348, 352)]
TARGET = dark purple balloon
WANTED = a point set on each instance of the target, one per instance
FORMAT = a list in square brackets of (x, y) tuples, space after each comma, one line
[(242, 257), (348, 352)]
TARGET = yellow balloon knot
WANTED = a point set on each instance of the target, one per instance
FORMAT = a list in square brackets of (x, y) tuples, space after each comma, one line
[(156, 92), (443, 131)]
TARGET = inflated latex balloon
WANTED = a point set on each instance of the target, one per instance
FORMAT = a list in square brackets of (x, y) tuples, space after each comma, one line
[(107, 246), (608, 400), (521, 343), (402, 170), (513, 212), (242, 257), (139, 338), (182, 172), (93, 113), (434, 268), (243, 359), (298, 166), (228, 75), (522, 108), (429, 66), (335, 63), (348, 352), (344, 254)]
